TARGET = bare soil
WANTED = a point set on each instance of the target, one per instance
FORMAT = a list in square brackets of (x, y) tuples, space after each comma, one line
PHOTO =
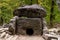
[(16, 37), (57, 25)]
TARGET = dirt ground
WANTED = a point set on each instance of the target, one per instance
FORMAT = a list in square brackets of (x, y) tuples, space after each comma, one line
[(57, 25), (15, 37)]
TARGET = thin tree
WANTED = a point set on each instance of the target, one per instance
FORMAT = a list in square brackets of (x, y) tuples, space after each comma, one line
[(1, 20), (52, 16)]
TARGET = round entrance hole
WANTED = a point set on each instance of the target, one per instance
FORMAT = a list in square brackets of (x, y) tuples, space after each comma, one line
[(29, 31)]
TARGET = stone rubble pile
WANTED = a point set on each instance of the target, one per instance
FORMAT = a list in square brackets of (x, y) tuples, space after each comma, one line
[(53, 33)]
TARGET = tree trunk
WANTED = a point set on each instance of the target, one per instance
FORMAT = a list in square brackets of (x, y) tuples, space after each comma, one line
[(1, 21), (52, 14)]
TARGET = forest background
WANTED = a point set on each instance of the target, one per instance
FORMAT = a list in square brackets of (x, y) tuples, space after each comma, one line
[(8, 6)]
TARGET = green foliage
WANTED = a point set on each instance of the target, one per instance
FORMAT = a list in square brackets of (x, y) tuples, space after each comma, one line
[(30, 2), (47, 5), (6, 9), (8, 6)]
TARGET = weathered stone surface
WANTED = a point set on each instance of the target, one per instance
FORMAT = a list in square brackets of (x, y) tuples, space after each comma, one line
[(19, 25), (22, 25), (30, 11), (33, 23)]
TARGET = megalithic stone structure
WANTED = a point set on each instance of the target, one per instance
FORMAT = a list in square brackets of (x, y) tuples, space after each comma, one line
[(27, 24), (32, 24)]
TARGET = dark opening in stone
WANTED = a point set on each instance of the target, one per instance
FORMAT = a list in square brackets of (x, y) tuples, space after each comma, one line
[(29, 31)]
